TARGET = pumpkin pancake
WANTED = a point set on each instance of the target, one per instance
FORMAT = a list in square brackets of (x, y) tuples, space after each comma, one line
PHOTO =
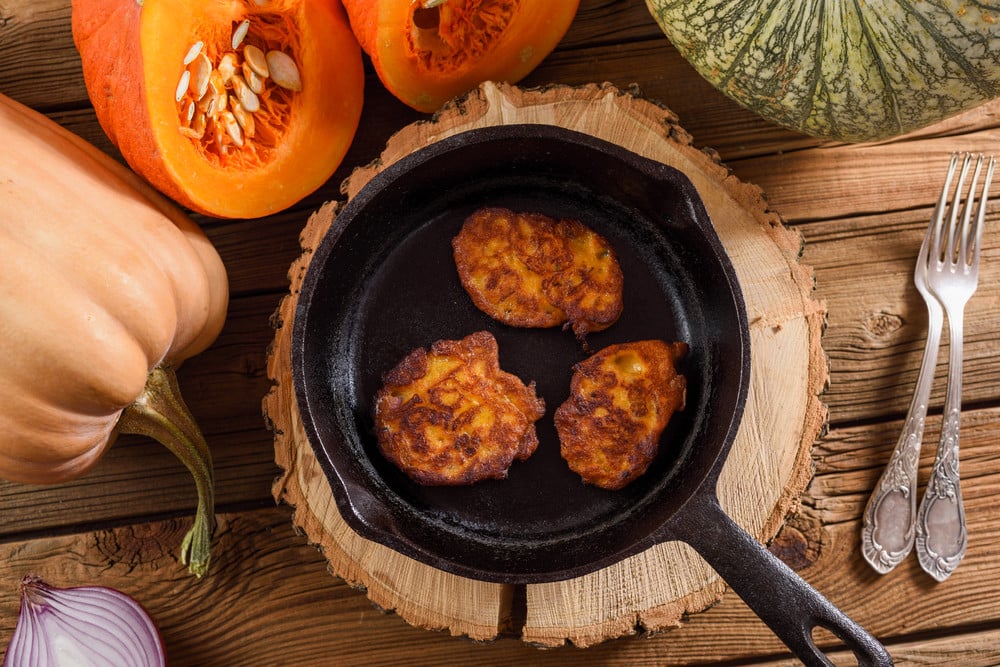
[(530, 270), (621, 399), (450, 415)]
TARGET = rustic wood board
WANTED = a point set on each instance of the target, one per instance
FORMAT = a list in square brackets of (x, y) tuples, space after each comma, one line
[(270, 599), (767, 469)]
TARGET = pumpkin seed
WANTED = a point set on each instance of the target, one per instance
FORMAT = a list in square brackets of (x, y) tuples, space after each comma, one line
[(216, 82), (206, 104), (182, 86), (204, 101), (227, 67), (217, 87), (254, 81), (197, 128), (245, 119), (256, 60), (193, 52), (199, 124), (240, 33), (219, 135), (215, 105), (223, 100), (247, 98), (284, 71), (232, 127), (201, 71)]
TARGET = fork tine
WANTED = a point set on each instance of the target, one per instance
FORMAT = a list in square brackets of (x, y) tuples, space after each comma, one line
[(936, 231), (955, 231), (923, 256), (981, 216), (966, 232)]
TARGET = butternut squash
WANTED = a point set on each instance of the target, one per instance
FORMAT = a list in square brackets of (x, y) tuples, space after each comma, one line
[(106, 287)]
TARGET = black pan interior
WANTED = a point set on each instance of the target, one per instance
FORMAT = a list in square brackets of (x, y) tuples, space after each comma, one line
[(383, 283)]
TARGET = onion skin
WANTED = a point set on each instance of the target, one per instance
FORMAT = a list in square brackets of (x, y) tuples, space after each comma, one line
[(84, 625)]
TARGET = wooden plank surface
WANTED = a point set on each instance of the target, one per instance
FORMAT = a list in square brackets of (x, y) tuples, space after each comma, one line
[(270, 599)]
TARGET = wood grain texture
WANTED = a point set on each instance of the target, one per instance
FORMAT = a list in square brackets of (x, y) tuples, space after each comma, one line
[(878, 322), (270, 598), (39, 65)]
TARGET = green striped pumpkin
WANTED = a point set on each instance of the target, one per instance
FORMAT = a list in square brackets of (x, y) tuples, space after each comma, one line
[(854, 70)]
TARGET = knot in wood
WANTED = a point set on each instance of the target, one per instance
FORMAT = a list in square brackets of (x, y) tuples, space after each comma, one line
[(881, 325), (140, 545), (793, 545)]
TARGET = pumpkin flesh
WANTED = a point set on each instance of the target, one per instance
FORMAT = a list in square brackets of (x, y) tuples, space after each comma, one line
[(842, 70), (105, 286), (133, 57), (427, 53)]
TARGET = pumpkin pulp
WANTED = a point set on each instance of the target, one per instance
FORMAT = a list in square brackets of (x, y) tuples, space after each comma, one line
[(232, 108), (446, 37), (217, 128), (428, 51)]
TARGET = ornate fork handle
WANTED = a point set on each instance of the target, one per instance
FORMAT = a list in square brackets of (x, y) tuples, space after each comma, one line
[(887, 535), (952, 276), (946, 274), (941, 532)]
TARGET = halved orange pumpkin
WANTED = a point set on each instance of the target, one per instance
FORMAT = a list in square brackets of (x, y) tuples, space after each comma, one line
[(233, 108), (428, 51)]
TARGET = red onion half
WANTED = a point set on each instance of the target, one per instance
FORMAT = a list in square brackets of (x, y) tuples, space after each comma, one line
[(86, 626)]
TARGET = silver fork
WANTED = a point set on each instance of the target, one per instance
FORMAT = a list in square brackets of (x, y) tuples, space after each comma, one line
[(887, 533), (952, 275)]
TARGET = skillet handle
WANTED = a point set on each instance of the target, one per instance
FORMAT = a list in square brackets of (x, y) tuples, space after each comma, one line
[(782, 599)]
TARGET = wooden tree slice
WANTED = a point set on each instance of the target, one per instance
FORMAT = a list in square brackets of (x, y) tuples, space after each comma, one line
[(767, 469)]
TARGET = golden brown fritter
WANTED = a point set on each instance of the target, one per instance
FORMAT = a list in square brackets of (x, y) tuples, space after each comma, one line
[(621, 399), (451, 416), (530, 270)]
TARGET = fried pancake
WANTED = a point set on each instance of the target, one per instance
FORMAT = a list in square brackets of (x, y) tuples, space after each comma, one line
[(530, 270), (621, 399), (451, 416)]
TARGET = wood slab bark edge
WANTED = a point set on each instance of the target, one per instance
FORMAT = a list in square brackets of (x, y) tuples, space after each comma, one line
[(770, 462)]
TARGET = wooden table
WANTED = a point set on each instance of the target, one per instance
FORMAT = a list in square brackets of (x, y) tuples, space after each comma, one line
[(270, 599)]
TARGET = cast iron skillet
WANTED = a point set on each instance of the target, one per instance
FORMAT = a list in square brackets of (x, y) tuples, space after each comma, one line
[(383, 282)]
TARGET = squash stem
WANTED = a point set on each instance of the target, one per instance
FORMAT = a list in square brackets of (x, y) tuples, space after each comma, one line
[(160, 413)]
